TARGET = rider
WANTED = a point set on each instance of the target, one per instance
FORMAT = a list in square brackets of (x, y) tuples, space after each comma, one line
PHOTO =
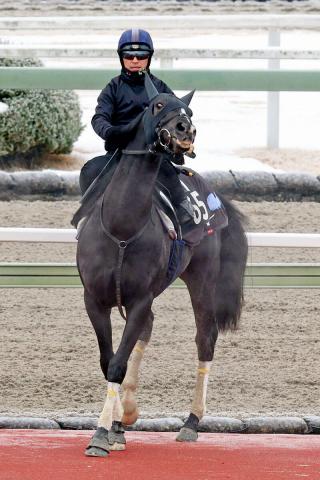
[(119, 103)]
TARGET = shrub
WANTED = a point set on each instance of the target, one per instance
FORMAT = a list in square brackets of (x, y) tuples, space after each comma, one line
[(47, 121)]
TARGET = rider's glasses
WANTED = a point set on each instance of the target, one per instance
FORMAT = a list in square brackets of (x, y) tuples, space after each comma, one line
[(138, 55)]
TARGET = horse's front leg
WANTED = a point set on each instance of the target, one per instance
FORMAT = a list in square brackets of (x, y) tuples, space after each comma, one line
[(130, 382), (110, 428), (101, 322), (206, 337)]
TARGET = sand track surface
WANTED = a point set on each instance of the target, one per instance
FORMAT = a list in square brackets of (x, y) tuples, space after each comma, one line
[(152, 7), (49, 357)]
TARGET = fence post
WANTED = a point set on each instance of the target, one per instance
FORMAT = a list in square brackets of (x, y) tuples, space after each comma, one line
[(273, 97)]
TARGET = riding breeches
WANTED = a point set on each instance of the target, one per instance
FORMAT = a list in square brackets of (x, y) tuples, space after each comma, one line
[(168, 176)]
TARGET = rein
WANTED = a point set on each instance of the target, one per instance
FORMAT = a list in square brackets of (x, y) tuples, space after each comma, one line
[(122, 244), (136, 152)]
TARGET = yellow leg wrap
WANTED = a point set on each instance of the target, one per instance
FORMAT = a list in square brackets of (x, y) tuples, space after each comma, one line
[(106, 416), (199, 399)]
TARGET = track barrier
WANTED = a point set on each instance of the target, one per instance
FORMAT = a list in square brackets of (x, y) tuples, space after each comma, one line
[(64, 275), (210, 424)]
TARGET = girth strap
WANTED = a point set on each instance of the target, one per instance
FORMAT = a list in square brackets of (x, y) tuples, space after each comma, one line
[(122, 244)]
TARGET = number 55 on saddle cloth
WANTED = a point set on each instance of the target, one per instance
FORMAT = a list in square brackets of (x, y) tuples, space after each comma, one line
[(209, 217), (209, 212)]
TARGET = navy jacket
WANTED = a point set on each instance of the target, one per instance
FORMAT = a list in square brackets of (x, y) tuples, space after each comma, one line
[(120, 102)]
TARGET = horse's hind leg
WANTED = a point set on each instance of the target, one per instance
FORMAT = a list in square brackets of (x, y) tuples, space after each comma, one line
[(202, 297), (130, 382)]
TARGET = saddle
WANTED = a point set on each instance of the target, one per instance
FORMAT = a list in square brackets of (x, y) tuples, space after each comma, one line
[(209, 212)]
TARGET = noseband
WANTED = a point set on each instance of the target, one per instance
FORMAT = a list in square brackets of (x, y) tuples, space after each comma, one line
[(160, 130)]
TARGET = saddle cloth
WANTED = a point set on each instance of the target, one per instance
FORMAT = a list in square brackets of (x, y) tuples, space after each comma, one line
[(209, 217), (209, 212)]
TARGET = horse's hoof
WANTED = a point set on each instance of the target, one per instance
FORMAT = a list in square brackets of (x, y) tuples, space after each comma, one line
[(117, 447), (99, 444), (96, 452), (130, 411), (187, 435), (116, 437), (130, 418)]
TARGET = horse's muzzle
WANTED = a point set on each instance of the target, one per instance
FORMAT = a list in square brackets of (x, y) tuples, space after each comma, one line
[(183, 138)]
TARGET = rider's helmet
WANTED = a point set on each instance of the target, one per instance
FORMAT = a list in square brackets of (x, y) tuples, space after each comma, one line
[(135, 41)]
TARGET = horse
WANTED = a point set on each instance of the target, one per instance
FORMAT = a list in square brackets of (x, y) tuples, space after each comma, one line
[(122, 257)]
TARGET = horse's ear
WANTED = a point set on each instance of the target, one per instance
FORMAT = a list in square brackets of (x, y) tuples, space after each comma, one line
[(187, 98), (151, 89)]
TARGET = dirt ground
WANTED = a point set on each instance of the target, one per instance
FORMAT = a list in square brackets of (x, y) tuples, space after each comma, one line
[(153, 7), (49, 361), (288, 159), (49, 357)]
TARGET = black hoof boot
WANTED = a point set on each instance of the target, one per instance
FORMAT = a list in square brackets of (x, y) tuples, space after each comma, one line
[(188, 432), (99, 444), (116, 437)]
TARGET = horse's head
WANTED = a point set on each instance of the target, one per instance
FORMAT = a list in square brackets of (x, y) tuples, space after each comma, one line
[(167, 121)]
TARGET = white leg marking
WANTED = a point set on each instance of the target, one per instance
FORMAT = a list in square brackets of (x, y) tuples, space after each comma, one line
[(130, 383), (199, 400), (117, 409), (106, 416)]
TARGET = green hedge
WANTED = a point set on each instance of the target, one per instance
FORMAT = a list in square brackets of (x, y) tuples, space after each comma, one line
[(48, 121)]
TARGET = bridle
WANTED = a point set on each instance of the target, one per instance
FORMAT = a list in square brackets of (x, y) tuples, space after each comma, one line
[(161, 132)]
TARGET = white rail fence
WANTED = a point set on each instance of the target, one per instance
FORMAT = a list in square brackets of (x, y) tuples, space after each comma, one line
[(165, 55), (64, 275), (273, 24), (68, 235)]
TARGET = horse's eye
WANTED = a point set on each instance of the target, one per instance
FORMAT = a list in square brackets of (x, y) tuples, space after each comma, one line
[(159, 105)]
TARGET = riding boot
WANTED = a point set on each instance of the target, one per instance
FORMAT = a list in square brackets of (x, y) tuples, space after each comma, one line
[(89, 172), (185, 212)]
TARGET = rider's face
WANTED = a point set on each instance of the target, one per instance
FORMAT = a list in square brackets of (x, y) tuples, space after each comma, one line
[(135, 64)]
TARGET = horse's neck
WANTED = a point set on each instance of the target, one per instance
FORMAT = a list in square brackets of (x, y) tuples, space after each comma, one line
[(128, 198)]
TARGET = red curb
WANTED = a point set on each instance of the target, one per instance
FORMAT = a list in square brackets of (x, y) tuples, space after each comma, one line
[(58, 455)]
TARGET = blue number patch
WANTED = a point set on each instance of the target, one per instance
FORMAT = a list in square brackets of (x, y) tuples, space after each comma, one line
[(213, 202)]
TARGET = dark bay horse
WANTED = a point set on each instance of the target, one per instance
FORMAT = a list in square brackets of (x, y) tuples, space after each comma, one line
[(122, 257)]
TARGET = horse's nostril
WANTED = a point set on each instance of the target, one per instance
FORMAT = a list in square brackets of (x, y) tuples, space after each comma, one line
[(181, 127)]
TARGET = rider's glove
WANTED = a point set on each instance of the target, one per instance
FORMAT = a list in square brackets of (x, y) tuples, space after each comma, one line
[(120, 135)]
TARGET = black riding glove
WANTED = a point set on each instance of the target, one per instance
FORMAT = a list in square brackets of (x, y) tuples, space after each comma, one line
[(120, 135)]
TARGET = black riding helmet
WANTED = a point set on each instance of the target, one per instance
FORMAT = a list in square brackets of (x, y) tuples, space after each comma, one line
[(137, 42)]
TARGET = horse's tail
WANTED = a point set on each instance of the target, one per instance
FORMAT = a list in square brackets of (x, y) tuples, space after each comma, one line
[(233, 258)]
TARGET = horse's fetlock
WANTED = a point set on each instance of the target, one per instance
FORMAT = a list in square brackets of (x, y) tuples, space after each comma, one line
[(199, 412), (116, 373), (192, 422)]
